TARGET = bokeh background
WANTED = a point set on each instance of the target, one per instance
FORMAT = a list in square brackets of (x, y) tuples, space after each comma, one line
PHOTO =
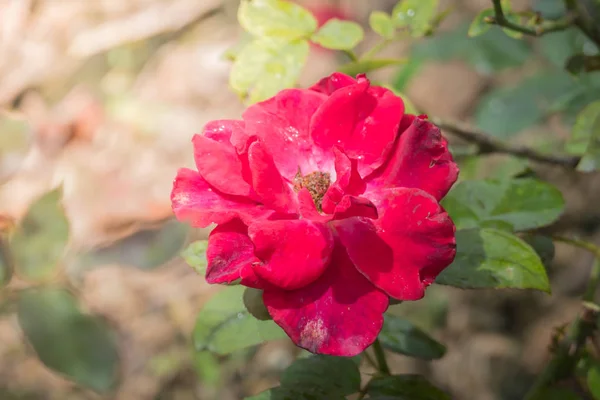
[(102, 97)]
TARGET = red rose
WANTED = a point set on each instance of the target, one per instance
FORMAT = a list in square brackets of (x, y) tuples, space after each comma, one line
[(327, 199)]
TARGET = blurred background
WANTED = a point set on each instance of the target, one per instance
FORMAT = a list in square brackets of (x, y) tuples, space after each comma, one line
[(102, 97)]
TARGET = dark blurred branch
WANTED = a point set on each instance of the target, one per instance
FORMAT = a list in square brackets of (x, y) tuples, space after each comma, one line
[(488, 144), (584, 19), (542, 28), (568, 350)]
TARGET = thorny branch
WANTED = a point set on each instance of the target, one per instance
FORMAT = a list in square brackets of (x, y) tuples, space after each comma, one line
[(544, 27), (488, 144)]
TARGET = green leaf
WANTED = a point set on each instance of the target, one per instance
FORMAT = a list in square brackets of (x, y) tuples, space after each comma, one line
[(264, 67), (490, 258), (401, 336), (479, 26), (417, 15), (506, 111), (316, 378), (512, 17), (593, 380), (585, 138), (487, 53), (339, 35), (276, 18), (40, 240), (404, 387), (524, 203), (224, 325), (208, 368), (382, 24), (195, 256), (559, 46), (253, 301), (146, 249), (543, 246), (407, 72), (363, 66), (77, 345)]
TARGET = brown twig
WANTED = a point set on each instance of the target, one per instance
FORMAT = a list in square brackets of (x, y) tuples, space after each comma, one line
[(488, 144), (543, 28)]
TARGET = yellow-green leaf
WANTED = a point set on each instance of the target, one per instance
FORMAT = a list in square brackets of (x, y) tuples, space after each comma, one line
[(479, 26), (265, 67), (382, 24), (276, 19), (416, 15), (363, 66), (339, 35)]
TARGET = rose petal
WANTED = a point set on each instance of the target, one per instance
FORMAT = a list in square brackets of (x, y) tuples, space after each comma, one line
[(195, 201), (230, 253), (282, 125), (268, 184), (340, 314), (231, 129), (406, 248), (348, 181), (360, 119), (220, 166), (332, 83), (294, 253), (420, 160), (353, 206)]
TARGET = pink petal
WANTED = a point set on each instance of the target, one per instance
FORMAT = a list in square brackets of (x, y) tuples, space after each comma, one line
[(340, 314), (420, 160), (308, 209), (406, 248), (332, 83), (282, 125), (362, 120), (195, 201), (268, 184), (230, 253), (220, 166), (231, 129), (348, 181), (294, 253), (353, 206)]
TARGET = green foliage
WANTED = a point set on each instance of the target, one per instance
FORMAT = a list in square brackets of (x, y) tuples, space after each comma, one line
[(557, 393), (492, 258), (512, 17), (195, 256), (253, 301), (339, 35), (264, 67), (276, 18), (559, 47), (146, 249), (585, 138), (479, 25), (543, 246), (489, 52), (401, 336), (224, 325), (593, 380), (522, 203), (416, 15), (404, 387), (77, 345), (40, 240), (314, 378), (506, 111), (382, 24), (367, 65)]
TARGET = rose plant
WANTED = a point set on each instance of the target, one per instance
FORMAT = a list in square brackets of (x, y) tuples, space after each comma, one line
[(331, 203)]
